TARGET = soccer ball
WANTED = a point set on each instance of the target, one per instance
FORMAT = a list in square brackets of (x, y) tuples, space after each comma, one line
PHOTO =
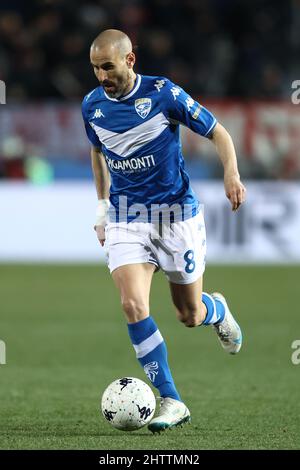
[(128, 404)]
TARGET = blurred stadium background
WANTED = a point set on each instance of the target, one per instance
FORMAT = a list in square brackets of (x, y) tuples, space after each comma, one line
[(238, 58)]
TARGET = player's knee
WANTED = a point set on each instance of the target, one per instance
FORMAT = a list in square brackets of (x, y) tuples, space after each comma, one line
[(134, 309)]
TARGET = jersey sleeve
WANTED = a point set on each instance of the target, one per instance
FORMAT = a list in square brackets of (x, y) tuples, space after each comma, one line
[(91, 134), (181, 108)]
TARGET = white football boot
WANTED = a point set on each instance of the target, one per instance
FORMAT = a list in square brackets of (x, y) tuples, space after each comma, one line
[(228, 331), (172, 413)]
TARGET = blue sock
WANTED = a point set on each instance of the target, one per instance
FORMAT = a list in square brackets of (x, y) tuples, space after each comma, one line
[(151, 351), (215, 310)]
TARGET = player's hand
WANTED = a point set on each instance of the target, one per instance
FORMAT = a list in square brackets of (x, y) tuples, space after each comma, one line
[(100, 230), (235, 191), (101, 219)]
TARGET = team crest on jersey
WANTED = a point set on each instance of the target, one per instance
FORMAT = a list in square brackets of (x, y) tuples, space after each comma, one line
[(143, 107)]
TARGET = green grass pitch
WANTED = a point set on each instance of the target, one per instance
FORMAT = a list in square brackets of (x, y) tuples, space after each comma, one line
[(66, 340)]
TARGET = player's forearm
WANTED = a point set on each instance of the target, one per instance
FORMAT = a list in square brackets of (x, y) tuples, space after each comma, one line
[(101, 174), (225, 149)]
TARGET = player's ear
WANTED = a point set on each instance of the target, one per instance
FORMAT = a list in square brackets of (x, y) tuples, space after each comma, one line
[(130, 60)]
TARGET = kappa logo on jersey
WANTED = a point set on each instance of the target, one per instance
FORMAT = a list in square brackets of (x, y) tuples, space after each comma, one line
[(98, 113), (143, 107), (159, 84), (175, 91), (190, 103)]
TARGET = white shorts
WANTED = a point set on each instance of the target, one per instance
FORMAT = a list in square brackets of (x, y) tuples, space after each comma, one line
[(179, 250)]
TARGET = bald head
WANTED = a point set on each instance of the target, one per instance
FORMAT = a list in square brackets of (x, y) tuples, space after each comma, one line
[(113, 60), (113, 39)]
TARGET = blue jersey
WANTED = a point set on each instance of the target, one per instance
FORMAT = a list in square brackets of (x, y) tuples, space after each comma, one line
[(139, 136)]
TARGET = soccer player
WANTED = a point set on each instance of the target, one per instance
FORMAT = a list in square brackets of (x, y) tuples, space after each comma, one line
[(132, 122)]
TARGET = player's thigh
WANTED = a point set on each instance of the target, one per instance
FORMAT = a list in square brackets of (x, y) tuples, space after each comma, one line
[(134, 283), (181, 253), (187, 299)]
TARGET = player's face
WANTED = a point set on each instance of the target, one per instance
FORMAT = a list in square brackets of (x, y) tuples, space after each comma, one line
[(112, 70)]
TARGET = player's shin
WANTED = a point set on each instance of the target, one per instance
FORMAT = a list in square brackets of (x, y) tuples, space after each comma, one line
[(151, 351)]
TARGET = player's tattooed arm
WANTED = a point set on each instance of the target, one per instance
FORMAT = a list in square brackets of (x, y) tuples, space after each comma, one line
[(102, 183), (234, 188)]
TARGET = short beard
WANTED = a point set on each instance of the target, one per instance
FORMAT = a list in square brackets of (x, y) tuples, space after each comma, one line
[(118, 93), (115, 95)]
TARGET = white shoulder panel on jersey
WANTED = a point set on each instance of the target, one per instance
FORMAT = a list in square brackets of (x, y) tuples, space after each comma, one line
[(90, 94), (126, 143)]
